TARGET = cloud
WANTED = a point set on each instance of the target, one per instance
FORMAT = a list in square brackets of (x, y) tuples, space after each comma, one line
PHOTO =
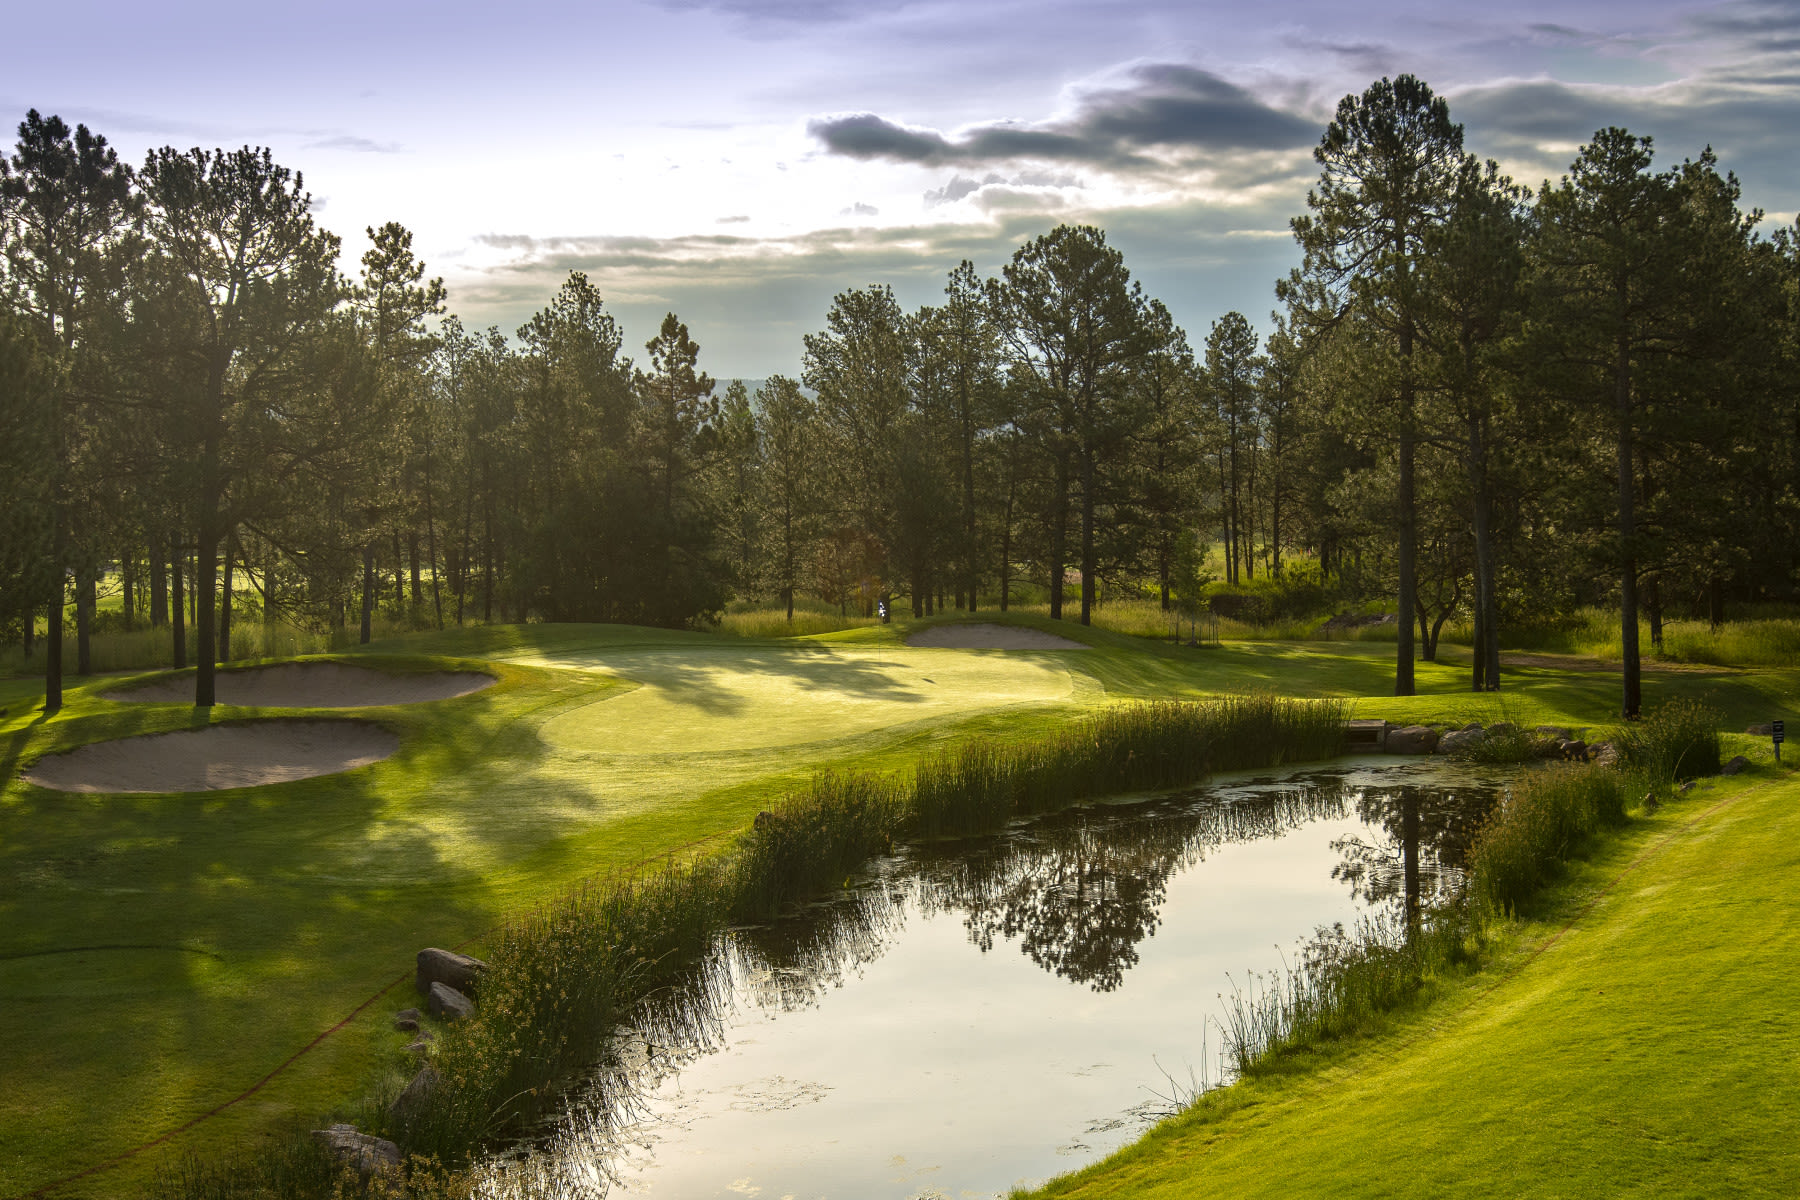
[(1533, 124), (786, 12), (962, 186), (859, 209), (1160, 107), (748, 300), (735, 220), (354, 144)]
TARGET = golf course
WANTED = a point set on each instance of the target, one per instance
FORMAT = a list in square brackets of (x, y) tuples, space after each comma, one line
[(185, 971)]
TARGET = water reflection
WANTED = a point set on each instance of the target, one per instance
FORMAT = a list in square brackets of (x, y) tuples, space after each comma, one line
[(798, 1049)]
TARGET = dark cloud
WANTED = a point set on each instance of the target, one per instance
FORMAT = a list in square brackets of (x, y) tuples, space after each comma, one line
[(1534, 123), (1162, 106)]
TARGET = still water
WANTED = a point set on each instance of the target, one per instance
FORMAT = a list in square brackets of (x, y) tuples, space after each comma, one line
[(985, 1012)]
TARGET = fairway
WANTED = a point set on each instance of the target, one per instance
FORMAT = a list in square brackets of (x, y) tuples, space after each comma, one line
[(727, 698)]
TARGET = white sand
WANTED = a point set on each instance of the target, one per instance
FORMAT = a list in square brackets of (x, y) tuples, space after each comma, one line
[(221, 756), (990, 637), (314, 685)]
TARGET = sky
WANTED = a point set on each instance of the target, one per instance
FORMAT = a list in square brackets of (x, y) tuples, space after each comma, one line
[(739, 162)]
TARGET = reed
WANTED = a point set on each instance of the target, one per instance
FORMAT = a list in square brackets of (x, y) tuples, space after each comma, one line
[(1674, 741), (1541, 824), (1345, 983)]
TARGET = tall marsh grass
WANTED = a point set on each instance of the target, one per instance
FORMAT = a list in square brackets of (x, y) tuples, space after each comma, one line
[(150, 649), (1541, 825), (1677, 740), (1344, 984)]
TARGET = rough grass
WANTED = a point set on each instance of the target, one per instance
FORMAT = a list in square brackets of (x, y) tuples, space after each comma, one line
[(1547, 817)]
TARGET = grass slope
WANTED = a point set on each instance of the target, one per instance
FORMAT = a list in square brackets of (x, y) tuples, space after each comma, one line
[(1636, 1041), (256, 919)]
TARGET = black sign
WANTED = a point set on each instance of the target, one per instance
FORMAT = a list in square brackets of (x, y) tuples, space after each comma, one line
[(1777, 728)]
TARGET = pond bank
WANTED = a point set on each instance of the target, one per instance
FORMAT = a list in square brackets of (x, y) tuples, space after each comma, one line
[(1632, 1040)]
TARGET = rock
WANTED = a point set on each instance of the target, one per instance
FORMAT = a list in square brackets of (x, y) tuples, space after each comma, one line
[(414, 1094), (1558, 733), (1734, 766), (1545, 747), (421, 1045), (1574, 750), (448, 1003), (365, 1152), (1766, 729), (1685, 788), (1413, 739), (1461, 741), (406, 1020), (1604, 753), (448, 967)]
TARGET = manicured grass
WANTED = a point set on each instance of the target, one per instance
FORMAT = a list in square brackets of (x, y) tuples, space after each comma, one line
[(1634, 1040), (271, 914)]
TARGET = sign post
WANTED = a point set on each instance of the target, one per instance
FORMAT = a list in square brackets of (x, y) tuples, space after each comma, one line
[(1777, 728)]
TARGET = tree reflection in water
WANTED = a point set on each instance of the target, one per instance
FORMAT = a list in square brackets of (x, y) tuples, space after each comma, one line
[(1079, 891), (1415, 842)]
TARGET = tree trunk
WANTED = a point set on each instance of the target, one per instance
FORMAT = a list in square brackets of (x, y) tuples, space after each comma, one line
[(1408, 599), (1087, 537), (53, 637), (206, 583), (225, 589), (1653, 608), (1006, 546), (159, 586), (1486, 675), (86, 601), (1059, 536), (368, 594), (412, 557), (177, 605), (1715, 599), (1628, 582), (128, 587)]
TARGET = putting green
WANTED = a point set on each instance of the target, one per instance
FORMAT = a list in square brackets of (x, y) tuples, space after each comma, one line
[(708, 701)]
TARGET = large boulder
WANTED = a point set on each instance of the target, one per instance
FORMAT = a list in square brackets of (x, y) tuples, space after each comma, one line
[(448, 1003), (362, 1151), (1461, 741), (415, 1093), (1575, 750), (448, 967), (1604, 753), (1412, 739), (1734, 766)]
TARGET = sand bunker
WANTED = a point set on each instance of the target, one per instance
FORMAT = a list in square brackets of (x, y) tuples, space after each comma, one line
[(314, 685), (218, 757), (990, 637)]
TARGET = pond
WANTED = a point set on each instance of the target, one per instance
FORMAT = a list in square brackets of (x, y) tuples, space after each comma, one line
[(979, 1013)]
